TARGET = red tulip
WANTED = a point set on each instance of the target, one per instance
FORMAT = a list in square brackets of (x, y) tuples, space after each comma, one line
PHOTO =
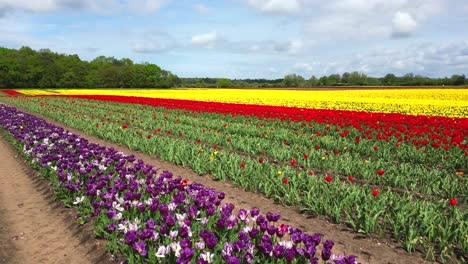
[(357, 140), (380, 172), (350, 178), (293, 162), (125, 126), (376, 148), (242, 165), (375, 193), (260, 160), (453, 201), (305, 156), (311, 173), (285, 180), (97, 125), (149, 136), (328, 178)]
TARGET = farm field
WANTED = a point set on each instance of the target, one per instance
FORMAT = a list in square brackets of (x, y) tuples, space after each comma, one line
[(444, 102), (390, 164)]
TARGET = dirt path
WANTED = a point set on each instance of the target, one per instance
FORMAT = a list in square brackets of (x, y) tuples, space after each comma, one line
[(368, 250), (34, 228)]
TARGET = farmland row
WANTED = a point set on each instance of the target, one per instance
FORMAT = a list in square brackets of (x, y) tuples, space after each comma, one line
[(437, 228)]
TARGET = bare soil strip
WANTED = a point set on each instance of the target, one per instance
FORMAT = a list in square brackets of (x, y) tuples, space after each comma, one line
[(369, 250), (34, 227)]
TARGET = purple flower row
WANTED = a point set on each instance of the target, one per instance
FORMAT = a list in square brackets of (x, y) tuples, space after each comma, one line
[(148, 215)]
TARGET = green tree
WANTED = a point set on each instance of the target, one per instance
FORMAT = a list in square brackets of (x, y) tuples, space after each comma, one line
[(293, 80), (224, 83), (390, 79), (334, 80), (458, 79), (323, 81), (313, 81), (345, 78)]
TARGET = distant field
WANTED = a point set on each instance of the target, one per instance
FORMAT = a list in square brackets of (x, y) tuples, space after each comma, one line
[(421, 101)]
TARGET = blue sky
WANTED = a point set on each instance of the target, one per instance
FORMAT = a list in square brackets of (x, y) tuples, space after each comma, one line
[(250, 38)]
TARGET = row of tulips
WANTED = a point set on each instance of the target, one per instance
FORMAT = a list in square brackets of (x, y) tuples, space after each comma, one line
[(435, 227), (438, 130), (9, 92), (150, 216)]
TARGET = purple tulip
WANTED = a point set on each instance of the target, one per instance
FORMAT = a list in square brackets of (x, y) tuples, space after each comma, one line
[(130, 237), (140, 248)]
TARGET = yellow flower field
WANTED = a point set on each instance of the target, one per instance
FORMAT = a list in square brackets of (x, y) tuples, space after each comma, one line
[(432, 102)]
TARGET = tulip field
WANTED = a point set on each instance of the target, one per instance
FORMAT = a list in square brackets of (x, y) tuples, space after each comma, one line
[(390, 163), (431, 102)]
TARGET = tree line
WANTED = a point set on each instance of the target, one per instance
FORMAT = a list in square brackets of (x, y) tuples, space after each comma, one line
[(346, 79), (27, 68)]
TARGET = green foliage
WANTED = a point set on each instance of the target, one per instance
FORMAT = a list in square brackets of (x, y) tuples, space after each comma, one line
[(26, 68), (293, 80), (223, 83)]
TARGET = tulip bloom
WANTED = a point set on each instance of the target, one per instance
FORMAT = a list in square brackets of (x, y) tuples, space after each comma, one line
[(453, 201)]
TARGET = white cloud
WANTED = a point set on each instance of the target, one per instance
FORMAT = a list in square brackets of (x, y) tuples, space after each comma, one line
[(200, 8), (403, 24), (33, 6), (291, 46), (433, 59), (303, 67), (276, 6), (96, 6), (207, 39), (147, 6), (254, 48), (153, 42), (362, 20)]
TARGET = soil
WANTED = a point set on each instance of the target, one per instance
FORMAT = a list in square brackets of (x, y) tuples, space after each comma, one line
[(368, 249), (34, 227)]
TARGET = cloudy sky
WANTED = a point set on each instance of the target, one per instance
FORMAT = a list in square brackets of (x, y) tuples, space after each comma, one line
[(250, 38)]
